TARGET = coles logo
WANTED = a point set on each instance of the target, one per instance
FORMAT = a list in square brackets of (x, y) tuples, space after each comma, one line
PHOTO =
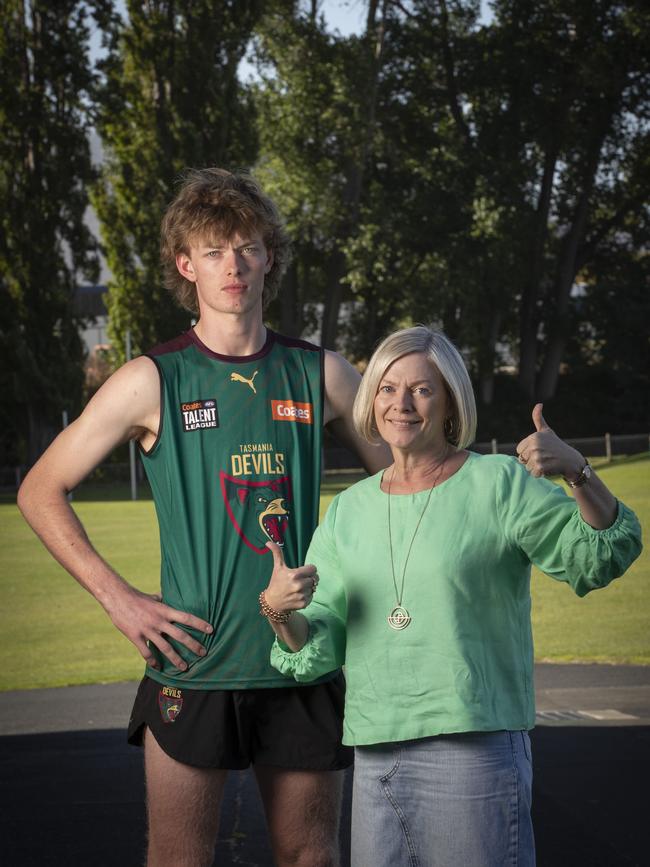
[(291, 410)]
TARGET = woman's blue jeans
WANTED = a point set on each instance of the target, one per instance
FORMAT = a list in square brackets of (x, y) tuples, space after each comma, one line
[(459, 800)]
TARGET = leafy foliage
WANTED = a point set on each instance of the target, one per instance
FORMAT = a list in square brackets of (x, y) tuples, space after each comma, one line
[(44, 244), (488, 176), (170, 99), (495, 166)]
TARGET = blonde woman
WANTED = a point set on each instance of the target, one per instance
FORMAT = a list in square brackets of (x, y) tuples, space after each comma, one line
[(424, 595)]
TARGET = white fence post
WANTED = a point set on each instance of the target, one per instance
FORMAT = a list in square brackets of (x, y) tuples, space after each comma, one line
[(608, 447), (495, 447)]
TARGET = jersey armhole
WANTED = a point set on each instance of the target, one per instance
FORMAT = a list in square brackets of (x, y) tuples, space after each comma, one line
[(148, 452), (322, 386)]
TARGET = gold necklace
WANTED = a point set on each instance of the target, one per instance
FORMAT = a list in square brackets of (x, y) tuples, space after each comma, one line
[(399, 617)]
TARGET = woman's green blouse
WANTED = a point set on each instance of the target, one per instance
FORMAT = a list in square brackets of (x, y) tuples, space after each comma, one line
[(465, 662)]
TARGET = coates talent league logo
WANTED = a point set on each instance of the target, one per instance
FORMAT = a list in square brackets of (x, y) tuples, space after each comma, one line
[(259, 511)]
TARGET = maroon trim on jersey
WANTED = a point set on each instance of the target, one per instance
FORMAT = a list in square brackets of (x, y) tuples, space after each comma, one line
[(190, 338), (233, 359), (297, 343), (322, 386), (149, 451), (176, 345)]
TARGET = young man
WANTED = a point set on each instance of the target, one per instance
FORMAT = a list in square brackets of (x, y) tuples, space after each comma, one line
[(228, 417)]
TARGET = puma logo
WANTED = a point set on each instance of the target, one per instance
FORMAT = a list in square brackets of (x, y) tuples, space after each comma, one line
[(237, 377)]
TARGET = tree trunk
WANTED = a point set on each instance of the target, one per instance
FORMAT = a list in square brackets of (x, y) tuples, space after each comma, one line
[(531, 290), (559, 330), (40, 433), (486, 362), (337, 266), (567, 266), (292, 321), (450, 77)]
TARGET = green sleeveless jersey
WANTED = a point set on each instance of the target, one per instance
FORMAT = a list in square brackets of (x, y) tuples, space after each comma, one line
[(237, 462)]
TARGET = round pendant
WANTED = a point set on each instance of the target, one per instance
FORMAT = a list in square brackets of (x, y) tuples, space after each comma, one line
[(399, 618)]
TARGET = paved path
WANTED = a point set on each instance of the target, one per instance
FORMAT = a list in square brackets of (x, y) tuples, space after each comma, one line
[(71, 789)]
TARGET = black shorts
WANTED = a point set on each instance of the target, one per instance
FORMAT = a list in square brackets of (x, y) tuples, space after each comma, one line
[(294, 727)]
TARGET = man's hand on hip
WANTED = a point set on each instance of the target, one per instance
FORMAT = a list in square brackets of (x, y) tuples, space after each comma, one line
[(147, 622)]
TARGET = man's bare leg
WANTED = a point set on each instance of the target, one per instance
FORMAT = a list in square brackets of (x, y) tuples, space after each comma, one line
[(183, 806), (302, 811)]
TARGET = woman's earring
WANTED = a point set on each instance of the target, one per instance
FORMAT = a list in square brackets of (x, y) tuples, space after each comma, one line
[(448, 427)]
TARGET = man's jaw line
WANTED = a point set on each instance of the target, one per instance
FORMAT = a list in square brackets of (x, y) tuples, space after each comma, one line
[(239, 321)]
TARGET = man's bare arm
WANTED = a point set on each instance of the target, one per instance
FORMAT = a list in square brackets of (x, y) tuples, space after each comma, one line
[(126, 407), (341, 386)]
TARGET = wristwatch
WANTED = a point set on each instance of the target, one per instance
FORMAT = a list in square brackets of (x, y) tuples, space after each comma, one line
[(582, 478)]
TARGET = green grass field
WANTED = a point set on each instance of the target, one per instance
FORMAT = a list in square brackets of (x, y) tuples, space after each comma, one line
[(52, 633)]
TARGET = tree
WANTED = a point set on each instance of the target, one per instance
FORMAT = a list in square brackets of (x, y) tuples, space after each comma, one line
[(493, 165), (415, 254), (170, 99), (316, 127), (534, 133), (583, 139), (358, 141), (608, 353), (44, 244)]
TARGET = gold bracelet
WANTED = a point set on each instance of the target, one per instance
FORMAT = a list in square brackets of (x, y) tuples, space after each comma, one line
[(271, 613)]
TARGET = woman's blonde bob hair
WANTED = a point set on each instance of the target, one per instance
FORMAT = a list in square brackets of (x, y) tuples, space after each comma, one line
[(460, 425)]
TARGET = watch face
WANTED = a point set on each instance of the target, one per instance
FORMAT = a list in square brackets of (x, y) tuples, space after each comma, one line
[(587, 472)]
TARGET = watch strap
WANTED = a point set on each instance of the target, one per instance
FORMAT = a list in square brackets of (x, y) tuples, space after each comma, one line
[(582, 478)]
